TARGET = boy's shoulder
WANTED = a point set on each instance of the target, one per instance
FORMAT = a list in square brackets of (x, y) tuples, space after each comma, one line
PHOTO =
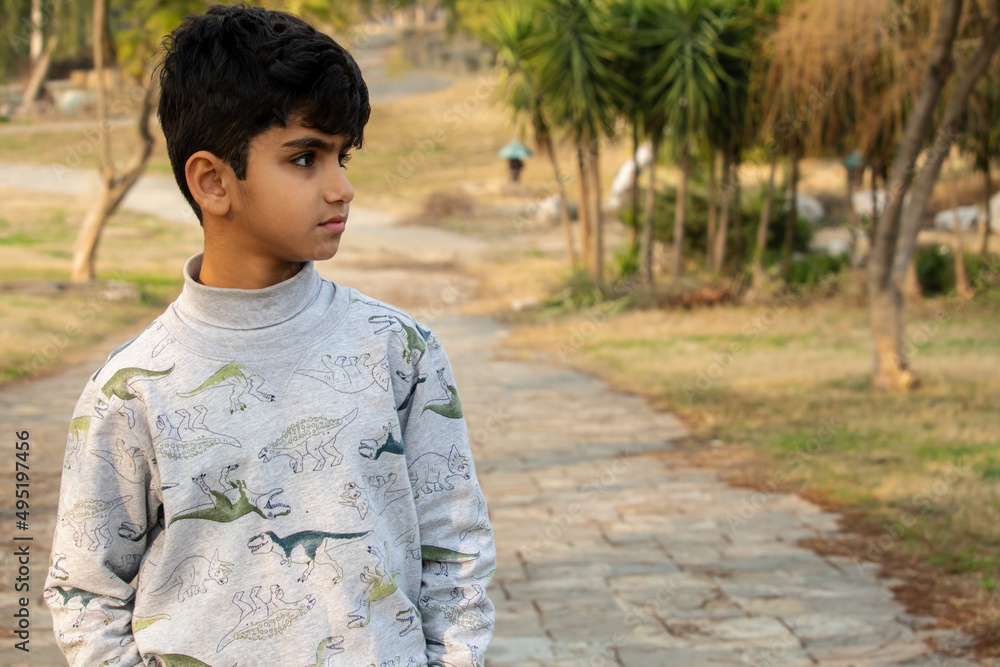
[(378, 318), (137, 356)]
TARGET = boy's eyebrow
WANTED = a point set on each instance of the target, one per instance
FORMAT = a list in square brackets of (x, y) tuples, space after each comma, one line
[(311, 142)]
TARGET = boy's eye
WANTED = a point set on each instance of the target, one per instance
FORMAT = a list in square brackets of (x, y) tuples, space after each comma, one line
[(344, 159), (304, 160)]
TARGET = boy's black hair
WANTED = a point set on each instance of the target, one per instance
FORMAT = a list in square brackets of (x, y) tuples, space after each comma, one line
[(234, 72)]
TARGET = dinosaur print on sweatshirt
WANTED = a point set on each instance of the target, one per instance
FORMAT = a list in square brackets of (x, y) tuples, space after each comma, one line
[(442, 556), (56, 570), (128, 462), (189, 438), (234, 501), (449, 406), (381, 583), (413, 343), (309, 437), (351, 375), (180, 660), (119, 391), (327, 652), (79, 427), (309, 548), (90, 519), (265, 619), (431, 471), (75, 599), (375, 492), (239, 380), (482, 521), (417, 381), (463, 609), (372, 449), (141, 623), (191, 576)]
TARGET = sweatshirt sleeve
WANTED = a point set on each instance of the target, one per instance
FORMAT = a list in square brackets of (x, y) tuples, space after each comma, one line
[(456, 540), (101, 531)]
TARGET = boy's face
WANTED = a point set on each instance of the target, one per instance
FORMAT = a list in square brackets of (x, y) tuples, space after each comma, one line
[(294, 203)]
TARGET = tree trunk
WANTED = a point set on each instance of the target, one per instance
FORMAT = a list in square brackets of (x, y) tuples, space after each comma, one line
[(680, 209), (954, 111), (873, 228), (962, 287), (649, 220), (736, 216), (114, 186), (984, 232), (633, 237), (584, 214), (595, 170), (793, 207), (35, 46), (39, 70), (885, 297), (762, 226), (852, 220), (563, 206), (719, 250), (712, 201)]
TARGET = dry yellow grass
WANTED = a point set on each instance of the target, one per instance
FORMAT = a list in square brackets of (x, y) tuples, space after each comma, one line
[(44, 319)]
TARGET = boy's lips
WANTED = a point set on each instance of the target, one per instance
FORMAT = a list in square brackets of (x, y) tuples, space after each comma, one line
[(334, 224)]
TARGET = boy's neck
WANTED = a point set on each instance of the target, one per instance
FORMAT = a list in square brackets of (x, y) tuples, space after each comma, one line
[(217, 270)]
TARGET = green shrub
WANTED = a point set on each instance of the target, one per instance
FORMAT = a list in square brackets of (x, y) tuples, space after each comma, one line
[(696, 223), (935, 270), (626, 260), (814, 267)]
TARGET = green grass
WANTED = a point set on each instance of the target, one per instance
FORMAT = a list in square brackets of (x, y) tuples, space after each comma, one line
[(798, 395), (41, 323)]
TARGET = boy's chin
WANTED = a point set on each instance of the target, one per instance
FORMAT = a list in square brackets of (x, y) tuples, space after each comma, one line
[(324, 253)]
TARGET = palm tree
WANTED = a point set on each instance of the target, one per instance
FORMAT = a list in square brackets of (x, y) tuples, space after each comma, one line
[(573, 57), (626, 17), (729, 129), (506, 30), (683, 88)]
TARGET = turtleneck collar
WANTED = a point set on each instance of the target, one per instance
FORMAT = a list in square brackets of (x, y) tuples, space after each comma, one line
[(246, 309)]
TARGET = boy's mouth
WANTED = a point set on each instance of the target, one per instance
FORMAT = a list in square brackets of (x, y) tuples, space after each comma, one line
[(335, 224)]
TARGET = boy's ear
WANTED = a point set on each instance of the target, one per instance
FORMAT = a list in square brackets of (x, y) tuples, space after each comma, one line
[(206, 179)]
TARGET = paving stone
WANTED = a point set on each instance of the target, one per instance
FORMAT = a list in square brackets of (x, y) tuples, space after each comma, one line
[(640, 655), (518, 650)]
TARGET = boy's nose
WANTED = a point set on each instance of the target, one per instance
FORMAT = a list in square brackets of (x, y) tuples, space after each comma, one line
[(339, 188)]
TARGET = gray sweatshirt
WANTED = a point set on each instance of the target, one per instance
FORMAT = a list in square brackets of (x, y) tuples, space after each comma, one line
[(272, 477)]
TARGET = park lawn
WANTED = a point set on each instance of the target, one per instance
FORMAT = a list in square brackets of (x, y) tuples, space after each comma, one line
[(44, 319), (783, 389)]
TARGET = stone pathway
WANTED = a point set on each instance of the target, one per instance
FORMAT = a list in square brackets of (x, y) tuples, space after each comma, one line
[(609, 552), (612, 554)]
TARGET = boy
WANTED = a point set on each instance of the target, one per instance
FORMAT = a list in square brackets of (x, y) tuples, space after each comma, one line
[(282, 462)]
